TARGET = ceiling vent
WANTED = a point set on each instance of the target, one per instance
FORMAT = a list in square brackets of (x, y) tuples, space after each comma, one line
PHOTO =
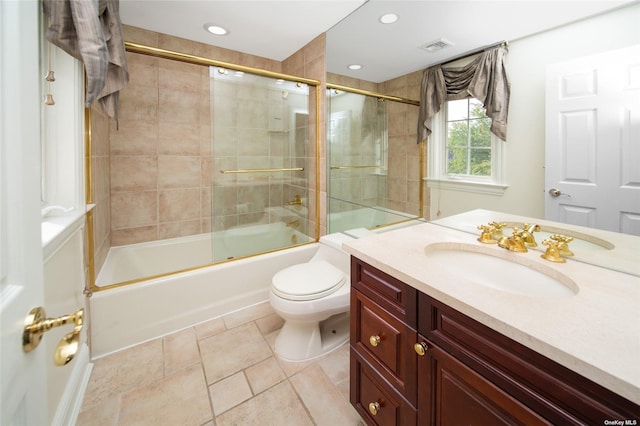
[(436, 45)]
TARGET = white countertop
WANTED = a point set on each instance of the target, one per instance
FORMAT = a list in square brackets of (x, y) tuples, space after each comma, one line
[(595, 332)]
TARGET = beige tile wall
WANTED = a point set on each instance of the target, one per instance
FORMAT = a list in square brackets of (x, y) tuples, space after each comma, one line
[(101, 182), (160, 153)]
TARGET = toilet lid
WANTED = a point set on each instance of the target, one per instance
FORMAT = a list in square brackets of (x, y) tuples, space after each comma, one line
[(307, 281)]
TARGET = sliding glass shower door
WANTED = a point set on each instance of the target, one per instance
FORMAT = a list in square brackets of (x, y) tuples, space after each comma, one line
[(259, 164)]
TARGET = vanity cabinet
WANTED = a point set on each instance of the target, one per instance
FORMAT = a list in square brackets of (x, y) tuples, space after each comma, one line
[(417, 361)]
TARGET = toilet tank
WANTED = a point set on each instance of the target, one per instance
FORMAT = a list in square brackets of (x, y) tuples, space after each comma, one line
[(331, 251)]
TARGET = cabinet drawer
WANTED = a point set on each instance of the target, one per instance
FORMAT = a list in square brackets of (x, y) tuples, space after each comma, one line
[(385, 342), (548, 388), (393, 295), (375, 400)]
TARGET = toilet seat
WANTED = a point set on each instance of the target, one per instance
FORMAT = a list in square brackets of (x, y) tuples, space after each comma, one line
[(307, 281)]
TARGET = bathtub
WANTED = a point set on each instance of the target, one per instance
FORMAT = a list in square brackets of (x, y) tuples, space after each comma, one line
[(131, 314), (137, 261)]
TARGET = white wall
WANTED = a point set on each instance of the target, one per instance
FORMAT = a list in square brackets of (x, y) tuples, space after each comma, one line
[(526, 64)]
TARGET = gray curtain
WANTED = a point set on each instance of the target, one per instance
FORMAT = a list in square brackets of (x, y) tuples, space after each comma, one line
[(485, 78), (91, 31)]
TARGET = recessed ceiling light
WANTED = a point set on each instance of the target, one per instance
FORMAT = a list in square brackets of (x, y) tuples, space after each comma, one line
[(355, 67), (216, 29), (388, 18)]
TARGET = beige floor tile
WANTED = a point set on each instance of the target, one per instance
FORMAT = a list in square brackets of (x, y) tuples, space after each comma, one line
[(270, 323), (278, 406), (264, 375), (229, 392), (336, 364), (229, 352), (210, 328), (119, 372), (102, 414), (247, 315), (180, 399), (180, 351), (318, 393)]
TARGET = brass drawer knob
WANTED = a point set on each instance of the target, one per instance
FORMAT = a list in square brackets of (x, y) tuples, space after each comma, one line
[(421, 348), (374, 408), (374, 340)]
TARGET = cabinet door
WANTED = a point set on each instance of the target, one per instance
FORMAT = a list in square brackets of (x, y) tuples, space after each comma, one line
[(450, 393), (375, 399)]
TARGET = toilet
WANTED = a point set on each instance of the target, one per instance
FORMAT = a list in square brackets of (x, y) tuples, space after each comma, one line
[(313, 300)]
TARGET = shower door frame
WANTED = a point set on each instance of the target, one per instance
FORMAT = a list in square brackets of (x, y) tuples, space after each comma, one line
[(195, 60)]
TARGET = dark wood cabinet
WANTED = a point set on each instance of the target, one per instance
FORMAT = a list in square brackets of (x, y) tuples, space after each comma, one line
[(417, 361)]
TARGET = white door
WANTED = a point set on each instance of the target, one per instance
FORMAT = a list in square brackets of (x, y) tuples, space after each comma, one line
[(592, 150), (22, 375)]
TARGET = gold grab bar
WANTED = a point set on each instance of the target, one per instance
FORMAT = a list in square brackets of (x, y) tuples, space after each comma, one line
[(290, 169), (356, 167)]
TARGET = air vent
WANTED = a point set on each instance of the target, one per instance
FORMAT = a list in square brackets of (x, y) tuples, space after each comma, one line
[(436, 45)]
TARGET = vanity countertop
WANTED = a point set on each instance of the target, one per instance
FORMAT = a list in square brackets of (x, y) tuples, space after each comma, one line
[(595, 332)]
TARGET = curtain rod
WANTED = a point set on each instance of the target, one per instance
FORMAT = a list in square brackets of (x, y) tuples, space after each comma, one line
[(503, 43)]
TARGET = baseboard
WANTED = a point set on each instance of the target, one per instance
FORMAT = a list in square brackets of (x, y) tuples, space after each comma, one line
[(71, 401)]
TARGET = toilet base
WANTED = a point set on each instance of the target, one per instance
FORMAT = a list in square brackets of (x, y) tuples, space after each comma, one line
[(302, 341)]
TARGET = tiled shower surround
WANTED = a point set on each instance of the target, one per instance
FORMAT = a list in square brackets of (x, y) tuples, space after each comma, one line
[(153, 171)]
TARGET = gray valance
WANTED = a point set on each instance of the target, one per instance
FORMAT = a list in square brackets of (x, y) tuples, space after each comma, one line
[(91, 31), (484, 78)]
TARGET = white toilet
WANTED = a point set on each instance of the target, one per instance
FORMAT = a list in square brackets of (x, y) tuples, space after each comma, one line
[(313, 299)]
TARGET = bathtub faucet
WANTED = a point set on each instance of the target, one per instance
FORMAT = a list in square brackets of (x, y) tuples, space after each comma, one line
[(297, 201), (293, 224)]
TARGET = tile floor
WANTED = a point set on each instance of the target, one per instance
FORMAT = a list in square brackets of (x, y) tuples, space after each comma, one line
[(222, 372)]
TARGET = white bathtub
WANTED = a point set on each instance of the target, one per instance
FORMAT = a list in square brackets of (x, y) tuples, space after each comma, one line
[(136, 261), (127, 315)]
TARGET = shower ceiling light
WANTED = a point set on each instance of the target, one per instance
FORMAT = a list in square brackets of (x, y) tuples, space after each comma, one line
[(216, 29), (355, 67), (388, 18)]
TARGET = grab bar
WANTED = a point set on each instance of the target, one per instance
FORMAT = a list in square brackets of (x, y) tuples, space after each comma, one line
[(291, 169), (356, 167)]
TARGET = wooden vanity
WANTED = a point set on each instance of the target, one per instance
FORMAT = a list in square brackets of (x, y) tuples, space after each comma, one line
[(416, 361), (489, 359)]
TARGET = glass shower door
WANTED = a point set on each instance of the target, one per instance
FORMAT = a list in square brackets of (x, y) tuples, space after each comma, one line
[(259, 163)]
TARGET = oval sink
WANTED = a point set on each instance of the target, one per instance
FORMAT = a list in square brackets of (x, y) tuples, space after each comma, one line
[(500, 270)]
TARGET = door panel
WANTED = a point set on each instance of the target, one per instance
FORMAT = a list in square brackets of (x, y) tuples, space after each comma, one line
[(593, 141), (23, 379)]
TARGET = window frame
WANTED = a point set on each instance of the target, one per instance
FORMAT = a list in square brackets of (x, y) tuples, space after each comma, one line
[(438, 177)]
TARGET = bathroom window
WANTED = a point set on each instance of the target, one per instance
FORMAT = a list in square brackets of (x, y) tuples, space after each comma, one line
[(463, 153)]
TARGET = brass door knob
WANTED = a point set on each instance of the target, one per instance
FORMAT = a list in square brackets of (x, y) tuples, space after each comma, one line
[(37, 323), (374, 340), (374, 408), (421, 348)]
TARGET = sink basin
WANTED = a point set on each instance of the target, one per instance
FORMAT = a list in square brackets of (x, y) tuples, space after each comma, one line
[(500, 269)]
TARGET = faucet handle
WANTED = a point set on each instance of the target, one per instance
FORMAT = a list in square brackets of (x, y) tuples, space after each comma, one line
[(563, 244), (486, 236), (553, 252), (497, 228)]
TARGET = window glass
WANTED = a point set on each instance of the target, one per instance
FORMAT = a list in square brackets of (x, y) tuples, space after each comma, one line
[(468, 147)]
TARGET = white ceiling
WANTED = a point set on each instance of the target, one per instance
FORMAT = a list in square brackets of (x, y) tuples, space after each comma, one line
[(277, 29)]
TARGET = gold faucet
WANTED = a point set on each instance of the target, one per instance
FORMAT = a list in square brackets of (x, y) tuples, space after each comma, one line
[(514, 242), (293, 224), (486, 236), (497, 228), (297, 201), (527, 234), (553, 253), (563, 244)]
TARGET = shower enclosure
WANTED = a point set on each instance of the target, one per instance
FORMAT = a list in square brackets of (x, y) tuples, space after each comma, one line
[(210, 162), (373, 182)]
